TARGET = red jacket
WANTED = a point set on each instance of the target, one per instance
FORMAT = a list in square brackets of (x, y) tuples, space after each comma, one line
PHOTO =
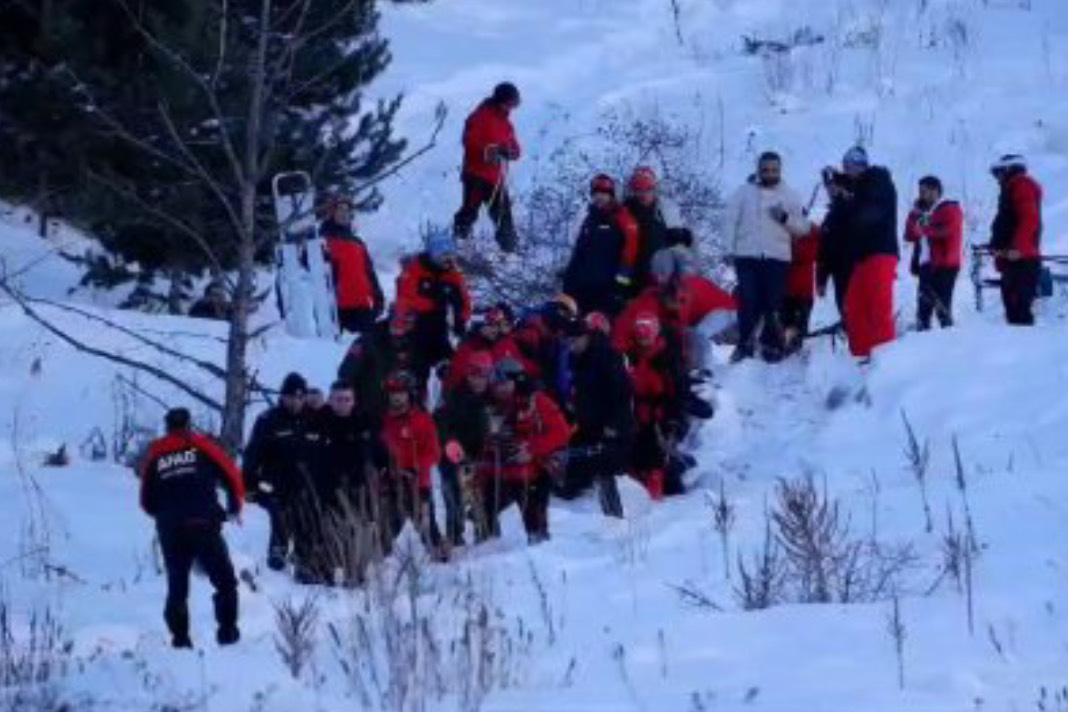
[(412, 441), (801, 280), (698, 297), (179, 478), (943, 229), (487, 126), (535, 423), (1018, 224), (654, 388), (498, 350), (354, 273), (422, 288)]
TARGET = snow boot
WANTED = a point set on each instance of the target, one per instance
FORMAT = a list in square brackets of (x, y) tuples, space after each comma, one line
[(507, 240), (181, 642), (227, 635)]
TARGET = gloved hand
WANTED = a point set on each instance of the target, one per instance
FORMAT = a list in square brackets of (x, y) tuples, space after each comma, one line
[(494, 154), (779, 214), (509, 153)]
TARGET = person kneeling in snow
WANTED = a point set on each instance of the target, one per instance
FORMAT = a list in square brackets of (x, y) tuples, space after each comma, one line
[(526, 430), (178, 489)]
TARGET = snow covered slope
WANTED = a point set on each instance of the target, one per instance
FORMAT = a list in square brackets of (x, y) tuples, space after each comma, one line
[(639, 614)]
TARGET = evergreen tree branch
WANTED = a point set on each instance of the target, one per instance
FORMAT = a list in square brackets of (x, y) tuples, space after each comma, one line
[(440, 113), (120, 359)]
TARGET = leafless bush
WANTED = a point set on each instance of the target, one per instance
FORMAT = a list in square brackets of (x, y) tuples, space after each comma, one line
[(35, 655), (824, 562), (763, 582), (895, 627), (404, 649), (801, 37), (296, 630), (723, 518), (918, 458), (1053, 699), (550, 209)]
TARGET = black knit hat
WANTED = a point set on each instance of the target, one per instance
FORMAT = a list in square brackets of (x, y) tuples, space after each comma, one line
[(294, 384), (505, 93), (177, 419)]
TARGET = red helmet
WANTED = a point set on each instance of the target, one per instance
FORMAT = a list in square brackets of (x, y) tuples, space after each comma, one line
[(480, 364), (602, 183), (596, 321), (642, 180), (646, 328)]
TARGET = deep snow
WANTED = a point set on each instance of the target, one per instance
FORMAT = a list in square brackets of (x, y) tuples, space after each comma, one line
[(607, 628)]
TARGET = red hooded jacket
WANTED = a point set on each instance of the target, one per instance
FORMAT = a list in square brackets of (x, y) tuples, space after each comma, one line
[(179, 479), (654, 389), (422, 289), (488, 125), (698, 297), (412, 441), (535, 422), (943, 229), (354, 273)]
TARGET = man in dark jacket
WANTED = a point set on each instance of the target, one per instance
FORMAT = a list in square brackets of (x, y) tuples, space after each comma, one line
[(645, 205), (179, 483), (489, 145), (870, 223), (602, 408), (463, 426), (279, 467), (601, 270), (1016, 236), (833, 262), (359, 296), (351, 454), (387, 348)]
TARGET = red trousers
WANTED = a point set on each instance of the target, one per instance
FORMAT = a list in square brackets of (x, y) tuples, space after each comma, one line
[(869, 304)]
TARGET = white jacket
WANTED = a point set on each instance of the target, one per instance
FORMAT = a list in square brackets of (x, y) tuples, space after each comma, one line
[(750, 229)]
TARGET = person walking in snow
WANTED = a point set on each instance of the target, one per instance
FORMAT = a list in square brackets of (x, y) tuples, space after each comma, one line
[(278, 467), (432, 287), (763, 216), (490, 145), (935, 229), (654, 219), (1016, 237), (179, 489), (870, 228), (359, 296), (600, 272)]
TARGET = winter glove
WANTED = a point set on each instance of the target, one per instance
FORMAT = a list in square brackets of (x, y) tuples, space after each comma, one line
[(494, 154), (778, 214)]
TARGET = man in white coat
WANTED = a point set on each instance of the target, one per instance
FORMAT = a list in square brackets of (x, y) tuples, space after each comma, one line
[(763, 217)]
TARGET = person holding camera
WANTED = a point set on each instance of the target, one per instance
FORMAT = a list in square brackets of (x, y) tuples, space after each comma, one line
[(935, 229)]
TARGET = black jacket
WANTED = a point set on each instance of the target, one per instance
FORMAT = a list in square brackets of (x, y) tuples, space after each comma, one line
[(590, 277), (283, 452), (350, 447), (180, 477), (370, 359), (652, 237), (871, 216), (602, 394), (464, 417)]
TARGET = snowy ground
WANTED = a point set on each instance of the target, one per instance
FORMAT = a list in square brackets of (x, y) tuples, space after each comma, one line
[(594, 620)]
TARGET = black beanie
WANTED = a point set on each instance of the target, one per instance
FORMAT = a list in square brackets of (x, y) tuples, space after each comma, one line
[(504, 93), (177, 419), (294, 384)]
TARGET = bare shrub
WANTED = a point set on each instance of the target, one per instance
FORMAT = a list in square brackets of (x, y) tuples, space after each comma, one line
[(296, 630), (762, 583), (551, 208), (35, 655), (918, 458)]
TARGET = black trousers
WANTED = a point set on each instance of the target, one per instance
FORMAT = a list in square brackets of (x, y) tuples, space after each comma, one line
[(281, 528), (795, 314), (935, 296), (199, 543), (1019, 287), (356, 321), (761, 287), (452, 494), (479, 192), (532, 498)]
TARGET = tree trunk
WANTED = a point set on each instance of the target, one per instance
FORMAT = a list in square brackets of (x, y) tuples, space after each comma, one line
[(236, 397)]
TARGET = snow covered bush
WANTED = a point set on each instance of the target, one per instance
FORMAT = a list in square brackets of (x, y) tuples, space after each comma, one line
[(35, 654), (551, 207)]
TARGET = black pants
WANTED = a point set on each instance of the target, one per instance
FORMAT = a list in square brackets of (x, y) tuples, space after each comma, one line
[(356, 321), (532, 498), (201, 543), (400, 502), (935, 296), (479, 192), (452, 493), (1019, 287), (596, 462), (281, 526), (795, 314), (761, 287)]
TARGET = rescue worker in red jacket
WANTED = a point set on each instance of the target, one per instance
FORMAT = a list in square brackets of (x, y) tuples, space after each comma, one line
[(489, 145), (526, 430), (796, 310), (179, 482), (935, 229), (359, 296), (1016, 237), (411, 439), (600, 273), (432, 287), (657, 408), (491, 336)]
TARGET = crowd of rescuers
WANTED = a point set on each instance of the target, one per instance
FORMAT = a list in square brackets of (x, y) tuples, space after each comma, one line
[(598, 382)]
